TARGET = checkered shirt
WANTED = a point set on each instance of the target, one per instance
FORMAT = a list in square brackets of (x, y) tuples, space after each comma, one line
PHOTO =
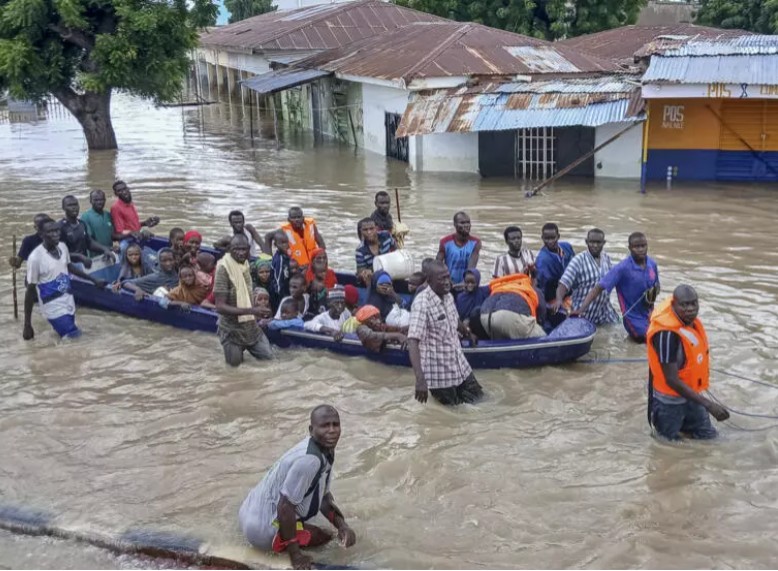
[(434, 324)]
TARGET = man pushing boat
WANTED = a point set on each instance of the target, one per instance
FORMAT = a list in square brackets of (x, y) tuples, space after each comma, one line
[(276, 513)]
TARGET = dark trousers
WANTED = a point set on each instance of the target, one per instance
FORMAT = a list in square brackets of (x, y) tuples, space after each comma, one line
[(689, 418), (469, 391)]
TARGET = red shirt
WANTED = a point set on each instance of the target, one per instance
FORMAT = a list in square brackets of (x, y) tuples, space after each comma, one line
[(124, 217)]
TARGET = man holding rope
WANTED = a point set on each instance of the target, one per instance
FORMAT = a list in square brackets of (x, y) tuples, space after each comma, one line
[(679, 370)]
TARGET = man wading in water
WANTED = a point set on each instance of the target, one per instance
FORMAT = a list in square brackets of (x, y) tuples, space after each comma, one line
[(275, 514), (238, 329)]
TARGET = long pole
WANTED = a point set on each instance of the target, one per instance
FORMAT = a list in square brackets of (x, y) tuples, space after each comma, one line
[(397, 202), (578, 161), (13, 277)]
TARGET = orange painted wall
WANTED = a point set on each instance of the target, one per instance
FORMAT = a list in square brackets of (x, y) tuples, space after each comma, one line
[(683, 124)]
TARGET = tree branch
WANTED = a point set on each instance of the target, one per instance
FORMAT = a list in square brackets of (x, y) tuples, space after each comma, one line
[(69, 98), (75, 37)]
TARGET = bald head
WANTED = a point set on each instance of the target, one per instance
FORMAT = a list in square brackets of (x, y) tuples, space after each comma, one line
[(686, 304), (325, 426), (439, 278), (323, 410)]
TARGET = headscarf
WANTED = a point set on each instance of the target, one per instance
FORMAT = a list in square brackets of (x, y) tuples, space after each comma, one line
[(366, 312), (352, 294), (257, 265), (468, 301), (192, 234), (382, 302), (193, 295), (330, 278), (125, 272)]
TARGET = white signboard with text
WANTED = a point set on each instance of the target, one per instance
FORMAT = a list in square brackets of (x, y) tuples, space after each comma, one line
[(710, 91)]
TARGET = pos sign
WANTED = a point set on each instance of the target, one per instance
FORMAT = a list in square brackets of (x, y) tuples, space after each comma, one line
[(672, 117)]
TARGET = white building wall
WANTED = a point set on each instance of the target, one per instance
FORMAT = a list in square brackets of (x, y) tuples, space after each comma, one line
[(620, 159), (447, 152), (376, 101)]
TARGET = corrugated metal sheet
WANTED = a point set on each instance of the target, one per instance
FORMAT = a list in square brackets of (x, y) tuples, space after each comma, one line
[(453, 49), (282, 79), (624, 43), (314, 28), (745, 45), (503, 107), (751, 69)]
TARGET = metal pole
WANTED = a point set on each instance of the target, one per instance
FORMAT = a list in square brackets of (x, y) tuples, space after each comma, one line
[(644, 162), (251, 119)]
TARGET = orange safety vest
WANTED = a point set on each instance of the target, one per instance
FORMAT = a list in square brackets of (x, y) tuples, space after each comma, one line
[(696, 371), (300, 248), (520, 284)]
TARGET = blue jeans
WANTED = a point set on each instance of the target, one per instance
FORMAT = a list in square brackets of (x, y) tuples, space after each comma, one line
[(690, 418)]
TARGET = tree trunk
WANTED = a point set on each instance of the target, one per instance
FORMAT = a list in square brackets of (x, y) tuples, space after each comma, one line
[(93, 111)]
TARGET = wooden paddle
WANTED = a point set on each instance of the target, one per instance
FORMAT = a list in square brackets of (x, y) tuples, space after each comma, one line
[(13, 277), (397, 202)]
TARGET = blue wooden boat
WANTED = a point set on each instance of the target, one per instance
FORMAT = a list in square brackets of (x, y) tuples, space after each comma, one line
[(569, 341)]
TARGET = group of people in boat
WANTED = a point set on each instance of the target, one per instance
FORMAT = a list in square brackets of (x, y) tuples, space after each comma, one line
[(282, 280)]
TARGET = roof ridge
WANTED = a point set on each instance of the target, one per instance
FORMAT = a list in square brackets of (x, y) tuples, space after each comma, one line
[(339, 9), (461, 30)]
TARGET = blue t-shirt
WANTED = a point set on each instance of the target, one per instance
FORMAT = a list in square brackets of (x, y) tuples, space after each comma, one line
[(457, 257), (550, 266), (631, 282)]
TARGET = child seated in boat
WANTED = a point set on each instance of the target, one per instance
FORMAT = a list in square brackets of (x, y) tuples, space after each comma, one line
[(333, 319), (262, 301), (133, 265), (317, 299), (298, 294), (374, 334), (189, 290), (165, 277), (289, 316)]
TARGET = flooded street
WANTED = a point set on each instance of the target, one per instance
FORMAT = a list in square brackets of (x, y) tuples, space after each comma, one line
[(141, 425)]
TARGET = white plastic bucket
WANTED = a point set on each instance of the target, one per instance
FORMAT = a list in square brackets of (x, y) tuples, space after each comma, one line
[(398, 264)]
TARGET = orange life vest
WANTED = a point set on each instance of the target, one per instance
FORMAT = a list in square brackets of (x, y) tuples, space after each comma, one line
[(300, 248), (520, 284), (696, 372)]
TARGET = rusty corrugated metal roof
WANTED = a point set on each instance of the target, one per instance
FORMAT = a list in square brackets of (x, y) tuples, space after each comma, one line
[(454, 49), (625, 43), (744, 60), (507, 106), (315, 28)]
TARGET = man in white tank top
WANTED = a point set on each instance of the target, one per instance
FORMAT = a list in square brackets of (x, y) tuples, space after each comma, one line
[(239, 226)]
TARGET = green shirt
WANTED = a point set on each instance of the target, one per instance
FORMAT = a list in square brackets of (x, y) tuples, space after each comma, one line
[(99, 227)]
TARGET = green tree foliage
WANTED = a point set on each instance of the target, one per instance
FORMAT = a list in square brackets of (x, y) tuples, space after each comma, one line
[(759, 16), (79, 51), (242, 9), (548, 19)]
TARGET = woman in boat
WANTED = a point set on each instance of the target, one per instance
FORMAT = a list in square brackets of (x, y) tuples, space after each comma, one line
[(192, 241), (374, 333), (189, 291), (319, 269), (134, 265), (317, 299), (262, 276), (382, 294)]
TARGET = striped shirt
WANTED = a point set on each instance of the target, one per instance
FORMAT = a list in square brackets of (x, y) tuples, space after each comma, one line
[(581, 275), (364, 255), (507, 265)]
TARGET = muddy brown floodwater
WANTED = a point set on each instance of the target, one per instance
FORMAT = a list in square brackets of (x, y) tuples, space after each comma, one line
[(141, 425)]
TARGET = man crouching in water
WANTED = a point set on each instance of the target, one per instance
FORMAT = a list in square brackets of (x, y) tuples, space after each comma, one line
[(274, 516)]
